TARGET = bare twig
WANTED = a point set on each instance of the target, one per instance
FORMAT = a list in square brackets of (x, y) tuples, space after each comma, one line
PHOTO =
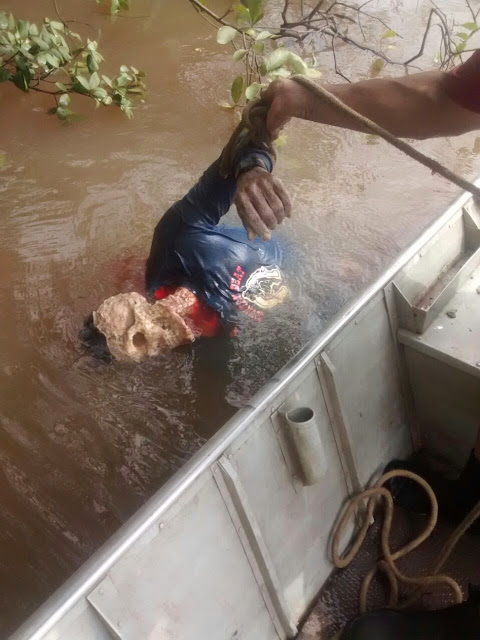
[(203, 9), (473, 13), (360, 11), (58, 13), (337, 70)]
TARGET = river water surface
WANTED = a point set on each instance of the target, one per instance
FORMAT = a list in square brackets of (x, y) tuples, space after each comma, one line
[(83, 444)]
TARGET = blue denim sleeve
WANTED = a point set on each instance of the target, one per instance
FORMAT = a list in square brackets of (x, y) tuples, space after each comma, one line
[(203, 206), (212, 196)]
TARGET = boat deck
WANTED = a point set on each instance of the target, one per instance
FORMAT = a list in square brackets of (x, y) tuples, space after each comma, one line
[(338, 601)]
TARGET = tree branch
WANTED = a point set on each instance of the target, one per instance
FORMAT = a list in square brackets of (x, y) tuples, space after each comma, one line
[(203, 9)]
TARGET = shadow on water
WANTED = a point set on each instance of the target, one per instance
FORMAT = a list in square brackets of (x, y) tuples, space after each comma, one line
[(83, 444)]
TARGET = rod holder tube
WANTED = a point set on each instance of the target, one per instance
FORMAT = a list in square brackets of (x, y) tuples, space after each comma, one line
[(303, 426)]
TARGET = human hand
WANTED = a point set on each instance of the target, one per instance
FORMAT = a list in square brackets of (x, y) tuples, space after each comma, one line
[(288, 99), (262, 202)]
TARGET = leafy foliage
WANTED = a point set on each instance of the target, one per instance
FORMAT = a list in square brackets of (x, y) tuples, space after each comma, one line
[(263, 59), (270, 53), (52, 59)]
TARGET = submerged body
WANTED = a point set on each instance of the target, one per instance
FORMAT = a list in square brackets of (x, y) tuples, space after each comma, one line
[(202, 276), (219, 264)]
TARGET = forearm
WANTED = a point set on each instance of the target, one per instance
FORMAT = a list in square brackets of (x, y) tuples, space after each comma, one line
[(212, 196), (415, 106)]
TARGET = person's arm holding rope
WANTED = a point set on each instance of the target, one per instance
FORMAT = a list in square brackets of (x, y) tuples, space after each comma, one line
[(423, 105)]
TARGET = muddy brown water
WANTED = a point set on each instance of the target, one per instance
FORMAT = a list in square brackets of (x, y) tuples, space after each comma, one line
[(82, 444)]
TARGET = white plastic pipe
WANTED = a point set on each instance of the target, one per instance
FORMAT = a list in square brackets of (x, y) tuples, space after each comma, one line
[(306, 437)]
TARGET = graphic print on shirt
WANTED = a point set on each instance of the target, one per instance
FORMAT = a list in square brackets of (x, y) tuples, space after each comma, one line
[(264, 289)]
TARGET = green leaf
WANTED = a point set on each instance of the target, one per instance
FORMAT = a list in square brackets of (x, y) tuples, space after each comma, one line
[(107, 100), (463, 36), (92, 64), (241, 13), (41, 43), (3, 20), (21, 62), (114, 7), (255, 9), (61, 86), (226, 105), (298, 65), (251, 32), (226, 35), (390, 33), (61, 113), (94, 80), (59, 26), (21, 79), (253, 90), (81, 85), (470, 25), (236, 90), (124, 68), (100, 93), (281, 72), (263, 35), (314, 73), (52, 60), (239, 54), (11, 23), (460, 47), (376, 68), (258, 47), (107, 81), (277, 58), (23, 26), (281, 141), (64, 100), (5, 75)]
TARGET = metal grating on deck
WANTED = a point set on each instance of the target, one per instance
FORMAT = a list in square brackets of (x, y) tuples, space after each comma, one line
[(338, 601)]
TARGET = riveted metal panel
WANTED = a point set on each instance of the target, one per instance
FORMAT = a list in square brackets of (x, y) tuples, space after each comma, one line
[(193, 577), (367, 384), (295, 520), (447, 402)]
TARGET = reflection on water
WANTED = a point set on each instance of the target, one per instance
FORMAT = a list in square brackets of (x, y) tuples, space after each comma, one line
[(83, 444)]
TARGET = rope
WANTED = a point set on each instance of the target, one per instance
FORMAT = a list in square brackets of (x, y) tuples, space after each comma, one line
[(387, 563), (254, 121), (410, 151)]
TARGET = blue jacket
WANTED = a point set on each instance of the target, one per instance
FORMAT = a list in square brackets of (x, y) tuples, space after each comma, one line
[(218, 263)]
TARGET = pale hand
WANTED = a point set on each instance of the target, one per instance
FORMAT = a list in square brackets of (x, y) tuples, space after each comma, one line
[(262, 202)]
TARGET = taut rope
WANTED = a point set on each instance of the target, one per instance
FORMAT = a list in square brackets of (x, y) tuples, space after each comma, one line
[(254, 116)]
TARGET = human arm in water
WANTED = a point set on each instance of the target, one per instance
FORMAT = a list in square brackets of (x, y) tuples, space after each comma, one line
[(210, 199), (423, 105)]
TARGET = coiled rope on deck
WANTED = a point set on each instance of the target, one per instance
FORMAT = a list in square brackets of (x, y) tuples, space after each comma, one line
[(254, 121), (387, 563)]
